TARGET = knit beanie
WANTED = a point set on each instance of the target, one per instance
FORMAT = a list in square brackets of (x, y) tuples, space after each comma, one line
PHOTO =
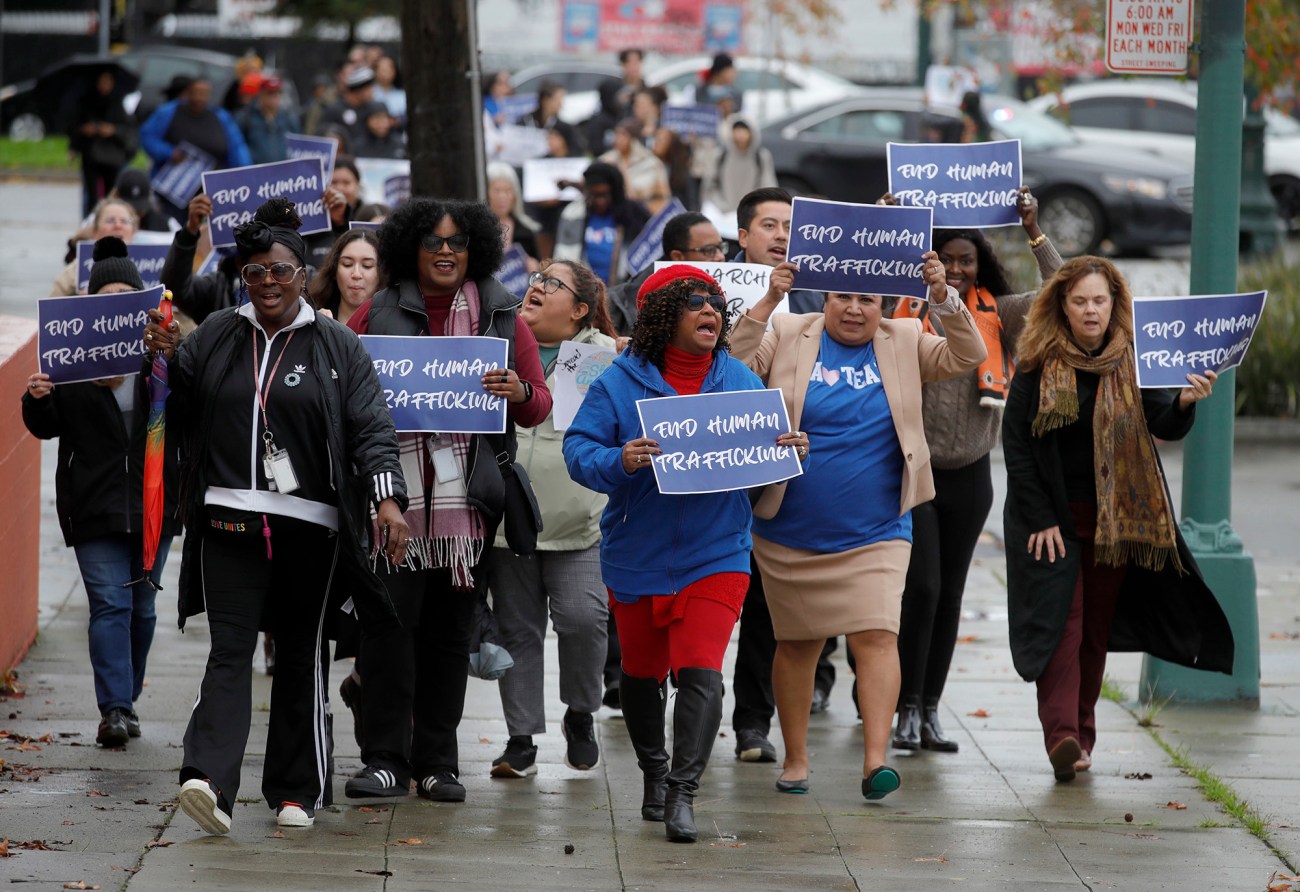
[(668, 274), (112, 265)]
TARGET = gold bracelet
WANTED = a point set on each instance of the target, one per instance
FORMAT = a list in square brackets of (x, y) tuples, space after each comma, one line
[(1035, 242)]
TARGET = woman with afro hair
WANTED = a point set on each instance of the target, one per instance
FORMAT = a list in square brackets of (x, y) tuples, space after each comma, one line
[(676, 566), (439, 256)]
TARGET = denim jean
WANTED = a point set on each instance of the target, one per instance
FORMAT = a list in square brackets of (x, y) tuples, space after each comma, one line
[(122, 616)]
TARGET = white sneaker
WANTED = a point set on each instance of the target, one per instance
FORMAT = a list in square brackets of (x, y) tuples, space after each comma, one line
[(291, 814), (198, 799)]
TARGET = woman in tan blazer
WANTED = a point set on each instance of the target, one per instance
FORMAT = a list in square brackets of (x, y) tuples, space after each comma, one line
[(833, 544)]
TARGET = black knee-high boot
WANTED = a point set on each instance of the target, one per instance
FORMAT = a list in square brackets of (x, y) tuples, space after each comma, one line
[(696, 717), (643, 713)]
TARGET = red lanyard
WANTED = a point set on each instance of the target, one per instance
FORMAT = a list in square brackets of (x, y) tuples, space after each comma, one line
[(264, 394)]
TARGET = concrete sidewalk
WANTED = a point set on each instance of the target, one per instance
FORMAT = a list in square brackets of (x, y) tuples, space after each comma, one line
[(989, 817)]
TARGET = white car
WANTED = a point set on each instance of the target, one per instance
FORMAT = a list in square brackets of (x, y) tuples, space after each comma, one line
[(771, 87), (1159, 116)]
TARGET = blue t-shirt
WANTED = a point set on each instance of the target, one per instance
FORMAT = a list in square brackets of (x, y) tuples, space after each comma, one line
[(853, 478), (599, 240)]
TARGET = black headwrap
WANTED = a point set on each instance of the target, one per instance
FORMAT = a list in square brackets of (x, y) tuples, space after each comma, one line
[(255, 237)]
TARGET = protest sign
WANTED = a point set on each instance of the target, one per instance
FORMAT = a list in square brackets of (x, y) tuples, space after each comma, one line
[(744, 284), (513, 272), (649, 245), (397, 189), (177, 181), (542, 177), (516, 144), (691, 120), (968, 184), (513, 107), (150, 237), (436, 384), (1179, 336), (93, 336), (576, 366), (858, 248), (303, 146), (148, 259), (237, 193), (714, 442), (357, 224), (375, 174)]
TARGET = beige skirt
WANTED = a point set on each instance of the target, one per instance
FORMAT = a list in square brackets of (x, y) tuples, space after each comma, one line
[(814, 595)]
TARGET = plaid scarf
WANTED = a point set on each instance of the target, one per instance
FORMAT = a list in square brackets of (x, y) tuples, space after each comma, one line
[(997, 368), (446, 531), (1135, 522)]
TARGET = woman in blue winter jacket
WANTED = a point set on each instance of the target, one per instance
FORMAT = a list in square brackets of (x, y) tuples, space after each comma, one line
[(676, 566)]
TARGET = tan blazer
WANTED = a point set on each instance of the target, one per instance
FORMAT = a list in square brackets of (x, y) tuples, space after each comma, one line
[(784, 358)]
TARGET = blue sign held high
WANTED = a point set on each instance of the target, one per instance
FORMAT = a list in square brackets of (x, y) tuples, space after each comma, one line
[(858, 248), (513, 273), (714, 442), (93, 336), (435, 384), (649, 245), (691, 120), (148, 259), (302, 146), (1180, 336), (237, 193), (967, 184)]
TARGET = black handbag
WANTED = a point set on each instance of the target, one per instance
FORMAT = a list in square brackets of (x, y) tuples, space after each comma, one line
[(522, 518)]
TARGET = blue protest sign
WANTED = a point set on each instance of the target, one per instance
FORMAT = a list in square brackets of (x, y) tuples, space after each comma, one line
[(177, 181), (302, 146), (858, 248), (357, 224), (714, 442), (435, 384), (238, 192), (511, 108), (1179, 336), (691, 120), (93, 336), (967, 184), (649, 245), (513, 273), (148, 259), (397, 189)]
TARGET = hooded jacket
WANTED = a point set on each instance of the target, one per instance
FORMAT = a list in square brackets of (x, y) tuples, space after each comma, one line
[(654, 544), (738, 173)]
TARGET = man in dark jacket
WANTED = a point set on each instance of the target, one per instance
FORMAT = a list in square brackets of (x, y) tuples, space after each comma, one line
[(689, 237)]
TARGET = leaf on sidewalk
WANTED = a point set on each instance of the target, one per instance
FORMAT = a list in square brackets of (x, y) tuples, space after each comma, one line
[(36, 845), (376, 873), (1176, 805), (371, 810), (96, 793), (159, 843), (968, 639), (413, 841), (80, 884), (4, 848), (1138, 775), (131, 870), (375, 821), (979, 714), (279, 834)]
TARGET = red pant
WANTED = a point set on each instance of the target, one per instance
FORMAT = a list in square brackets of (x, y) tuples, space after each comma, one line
[(1070, 685), (691, 632)]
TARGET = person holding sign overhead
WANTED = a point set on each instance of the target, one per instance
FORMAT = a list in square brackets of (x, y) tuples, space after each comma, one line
[(1095, 557), (962, 416), (564, 302), (101, 430), (833, 544), (440, 256), (286, 433), (676, 566)]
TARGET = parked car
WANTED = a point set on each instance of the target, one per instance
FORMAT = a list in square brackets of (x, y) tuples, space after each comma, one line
[(581, 80), (771, 87), (1159, 116), (1091, 197)]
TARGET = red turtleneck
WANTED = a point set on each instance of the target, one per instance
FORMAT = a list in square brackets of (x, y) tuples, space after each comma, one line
[(684, 371)]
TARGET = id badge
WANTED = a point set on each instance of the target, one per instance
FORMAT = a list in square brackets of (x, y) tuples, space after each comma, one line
[(286, 481), (445, 466), (268, 471)]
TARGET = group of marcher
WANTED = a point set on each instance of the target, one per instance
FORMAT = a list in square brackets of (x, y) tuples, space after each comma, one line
[(307, 516)]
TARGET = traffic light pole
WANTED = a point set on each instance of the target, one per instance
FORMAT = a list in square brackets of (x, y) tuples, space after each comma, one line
[(1207, 458)]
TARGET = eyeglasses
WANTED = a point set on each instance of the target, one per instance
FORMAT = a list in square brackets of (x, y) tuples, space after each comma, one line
[(711, 250), (433, 243), (548, 284), (282, 273), (697, 301)]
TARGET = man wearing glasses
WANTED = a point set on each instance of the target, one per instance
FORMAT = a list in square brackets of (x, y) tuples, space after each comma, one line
[(689, 237)]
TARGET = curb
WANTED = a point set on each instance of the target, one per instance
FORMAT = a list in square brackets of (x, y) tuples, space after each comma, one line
[(1266, 430), (39, 174)]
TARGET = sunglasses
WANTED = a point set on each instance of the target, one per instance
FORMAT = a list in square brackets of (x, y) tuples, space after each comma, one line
[(697, 301), (281, 273), (433, 243), (548, 284)]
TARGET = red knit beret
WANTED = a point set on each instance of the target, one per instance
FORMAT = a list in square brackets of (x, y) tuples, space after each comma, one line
[(660, 278)]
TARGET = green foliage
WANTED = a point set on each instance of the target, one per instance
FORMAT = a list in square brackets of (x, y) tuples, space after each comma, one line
[(1268, 381), (50, 153)]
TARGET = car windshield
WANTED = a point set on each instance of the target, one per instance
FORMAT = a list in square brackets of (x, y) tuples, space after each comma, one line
[(1035, 130)]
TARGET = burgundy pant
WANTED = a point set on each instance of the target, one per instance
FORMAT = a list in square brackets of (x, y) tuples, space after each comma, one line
[(1070, 685)]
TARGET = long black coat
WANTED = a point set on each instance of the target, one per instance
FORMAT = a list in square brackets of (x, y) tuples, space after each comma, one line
[(1173, 617)]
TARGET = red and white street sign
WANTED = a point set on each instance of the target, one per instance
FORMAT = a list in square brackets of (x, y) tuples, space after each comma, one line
[(1148, 36)]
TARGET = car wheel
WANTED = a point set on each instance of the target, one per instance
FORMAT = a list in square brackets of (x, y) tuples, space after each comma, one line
[(27, 127), (1074, 221), (1286, 192), (794, 185)]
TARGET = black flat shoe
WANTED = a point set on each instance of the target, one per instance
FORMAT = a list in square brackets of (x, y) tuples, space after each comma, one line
[(932, 733), (792, 786)]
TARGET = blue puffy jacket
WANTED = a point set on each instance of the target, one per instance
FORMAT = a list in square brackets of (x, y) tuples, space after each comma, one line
[(654, 544), (153, 137)]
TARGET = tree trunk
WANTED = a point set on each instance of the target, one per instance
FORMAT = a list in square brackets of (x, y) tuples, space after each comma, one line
[(443, 114)]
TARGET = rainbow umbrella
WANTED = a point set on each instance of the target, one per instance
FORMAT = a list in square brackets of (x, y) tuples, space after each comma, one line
[(154, 445)]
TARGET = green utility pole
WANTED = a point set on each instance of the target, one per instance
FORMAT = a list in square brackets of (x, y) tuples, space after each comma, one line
[(924, 34), (1207, 458)]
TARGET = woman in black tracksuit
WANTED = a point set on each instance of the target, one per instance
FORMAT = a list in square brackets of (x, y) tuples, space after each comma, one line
[(269, 547)]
